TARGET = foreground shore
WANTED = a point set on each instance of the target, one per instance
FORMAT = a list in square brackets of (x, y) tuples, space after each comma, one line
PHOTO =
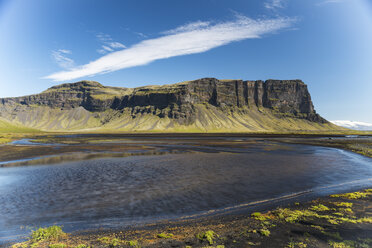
[(343, 220)]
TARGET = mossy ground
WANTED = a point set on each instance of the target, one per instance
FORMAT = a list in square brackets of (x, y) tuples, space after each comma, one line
[(319, 223), (10, 132), (9, 128)]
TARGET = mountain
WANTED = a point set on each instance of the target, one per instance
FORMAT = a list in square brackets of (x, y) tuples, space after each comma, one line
[(203, 105), (356, 125), (7, 127)]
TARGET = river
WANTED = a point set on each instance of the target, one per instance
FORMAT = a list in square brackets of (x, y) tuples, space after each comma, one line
[(190, 177)]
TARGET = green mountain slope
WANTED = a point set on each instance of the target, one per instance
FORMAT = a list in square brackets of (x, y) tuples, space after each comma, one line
[(7, 127), (204, 105)]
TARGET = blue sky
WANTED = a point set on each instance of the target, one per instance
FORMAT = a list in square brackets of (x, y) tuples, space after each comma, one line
[(326, 43)]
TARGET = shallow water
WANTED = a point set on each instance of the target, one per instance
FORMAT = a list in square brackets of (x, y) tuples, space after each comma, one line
[(125, 190)]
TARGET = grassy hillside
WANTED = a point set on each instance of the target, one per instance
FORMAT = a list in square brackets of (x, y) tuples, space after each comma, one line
[(7, 127), (208, 119), (10, 131), (211, 119)]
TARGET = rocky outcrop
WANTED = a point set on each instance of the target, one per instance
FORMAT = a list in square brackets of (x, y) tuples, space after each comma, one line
[(288, 97), (283, 98), (66, 96)]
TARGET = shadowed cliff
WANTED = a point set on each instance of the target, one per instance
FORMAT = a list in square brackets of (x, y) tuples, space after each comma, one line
[(201, 105)]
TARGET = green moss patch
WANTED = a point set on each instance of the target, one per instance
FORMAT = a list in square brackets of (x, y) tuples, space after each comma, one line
[(47, 234), (44, 237), (111, 241), (319, 208), (165, 235), (265, 232), (353, 196), (343, 204), (208, 236)]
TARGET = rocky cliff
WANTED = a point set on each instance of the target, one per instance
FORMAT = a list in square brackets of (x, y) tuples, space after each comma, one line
[(206, 104)]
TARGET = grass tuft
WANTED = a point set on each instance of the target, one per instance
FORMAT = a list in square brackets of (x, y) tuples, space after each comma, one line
[(111, 242), (264, 232), (354, 195), (165, 235), (58, 245), (207, 236), (82, 246), (319, 208), (339, 244), (296, 245), (47, 234), (133, 243), (343, 204), (259, 216)]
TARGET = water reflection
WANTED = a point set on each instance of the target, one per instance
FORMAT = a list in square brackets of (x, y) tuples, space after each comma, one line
[(86, 189), (57, 159)]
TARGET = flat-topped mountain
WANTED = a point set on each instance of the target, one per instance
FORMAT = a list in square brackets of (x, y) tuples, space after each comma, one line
[(201, 105)]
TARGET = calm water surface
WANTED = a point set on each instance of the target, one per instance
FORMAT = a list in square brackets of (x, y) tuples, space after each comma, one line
[(121, 191)]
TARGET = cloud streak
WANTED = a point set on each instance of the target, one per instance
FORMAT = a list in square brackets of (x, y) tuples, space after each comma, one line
[(274, 4), (330, 1), (357, 125), (61, 59), (192, 38), (109, 44)]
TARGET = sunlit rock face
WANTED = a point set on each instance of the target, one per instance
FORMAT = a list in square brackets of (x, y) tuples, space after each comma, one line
[(206, 103)]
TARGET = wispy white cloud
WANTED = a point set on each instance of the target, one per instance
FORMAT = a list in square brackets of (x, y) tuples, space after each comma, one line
[(188, 27), (108, 49), (101, 51), (274, 4), (329, 1), (188, 39), (139, 34), (109, 45), (357, 125), (61, 59), (64, 51), (142, 35), (116, 45)]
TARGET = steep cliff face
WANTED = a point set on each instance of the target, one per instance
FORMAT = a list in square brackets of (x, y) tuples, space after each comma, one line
[(68, 96), (200, 105)]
